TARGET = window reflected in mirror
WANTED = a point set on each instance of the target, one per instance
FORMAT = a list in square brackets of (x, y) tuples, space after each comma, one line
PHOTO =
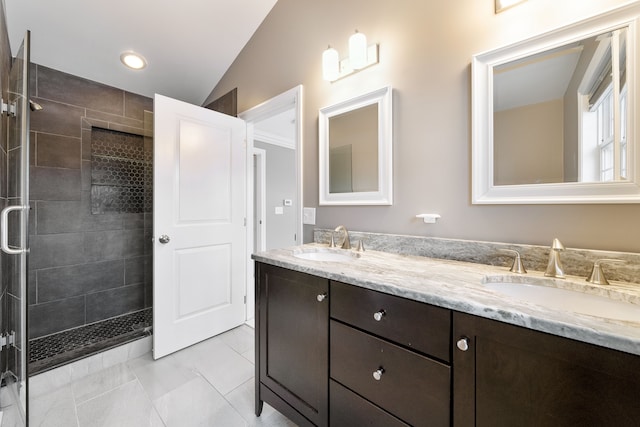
[(561, 115)]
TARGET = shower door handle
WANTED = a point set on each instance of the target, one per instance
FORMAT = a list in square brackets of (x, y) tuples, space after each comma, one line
[(4, 230)]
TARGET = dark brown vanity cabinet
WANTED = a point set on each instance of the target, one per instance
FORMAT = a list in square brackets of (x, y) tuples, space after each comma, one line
[(292, 350), (330, 353), (389, 360), (506, 375)]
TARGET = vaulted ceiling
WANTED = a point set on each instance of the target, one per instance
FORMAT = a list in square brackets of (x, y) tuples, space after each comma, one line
[(188, 44)]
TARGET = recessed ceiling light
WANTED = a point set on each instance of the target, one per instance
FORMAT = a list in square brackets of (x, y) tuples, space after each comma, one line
[(133, 60)]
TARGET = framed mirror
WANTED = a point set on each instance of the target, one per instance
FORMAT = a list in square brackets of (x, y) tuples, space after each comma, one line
[(555, 117), (356, 150)]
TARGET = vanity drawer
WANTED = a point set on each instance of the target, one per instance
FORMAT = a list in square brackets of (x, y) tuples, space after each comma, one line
[(412, 387), (413, 324), (349, 409)]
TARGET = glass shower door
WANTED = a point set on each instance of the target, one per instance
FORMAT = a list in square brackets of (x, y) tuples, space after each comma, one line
[(14, 235)]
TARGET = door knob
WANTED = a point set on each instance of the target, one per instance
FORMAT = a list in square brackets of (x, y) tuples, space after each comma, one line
[(164, 239)]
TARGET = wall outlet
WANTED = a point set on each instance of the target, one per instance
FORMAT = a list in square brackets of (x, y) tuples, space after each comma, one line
[(287, 202), (309, 216)]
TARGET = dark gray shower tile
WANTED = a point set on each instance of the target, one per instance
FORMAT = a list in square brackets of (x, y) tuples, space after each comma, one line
[(86, 144), (3, 174), (70, 217), (135, 105), (134, 270), (33, 215), (12, 272), (58, 151), (114, 302), (56, 316), (56, 250), (89, 123), (55, 184), (65, 282), (33, 79), (13, 173), (33, 137), (133, 243), (86, 175), (57, 118), (114, 119), (32, 287), (53, 84), (15, 309), (127, 129), (103, 245), (133, 221), (59, 217)]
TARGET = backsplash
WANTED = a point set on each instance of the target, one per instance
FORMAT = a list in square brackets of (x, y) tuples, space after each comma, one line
[(576, 262)]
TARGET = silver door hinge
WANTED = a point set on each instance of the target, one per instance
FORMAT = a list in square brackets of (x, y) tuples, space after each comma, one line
[(245, 221), (245, 299), (7, 340), (10, 109)]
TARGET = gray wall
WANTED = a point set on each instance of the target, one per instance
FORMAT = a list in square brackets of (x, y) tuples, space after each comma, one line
[(83, 267), (425, 54), (281, 184)]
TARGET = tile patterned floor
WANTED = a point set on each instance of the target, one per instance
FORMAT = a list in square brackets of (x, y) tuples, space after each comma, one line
[(208, 384)]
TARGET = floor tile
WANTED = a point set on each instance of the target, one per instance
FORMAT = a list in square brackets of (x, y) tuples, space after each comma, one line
[(56, 409), (161, 376), (218, 363), (243, 400), (208, 384), (240, 339), (102, 382), (196, 403), (125, 406)]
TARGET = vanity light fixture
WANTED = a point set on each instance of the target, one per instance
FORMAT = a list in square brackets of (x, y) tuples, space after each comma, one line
[(133, 60), (502, 5), (361, 56)]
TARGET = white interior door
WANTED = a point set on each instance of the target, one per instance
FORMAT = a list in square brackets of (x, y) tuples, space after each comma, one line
[(200, 255)]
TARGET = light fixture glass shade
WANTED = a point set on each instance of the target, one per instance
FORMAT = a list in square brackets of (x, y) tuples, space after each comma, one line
[(330, 64), (133, 60), (506, 4), (358, 51)]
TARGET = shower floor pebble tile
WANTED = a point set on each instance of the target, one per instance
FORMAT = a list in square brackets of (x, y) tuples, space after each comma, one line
[(208, 384)]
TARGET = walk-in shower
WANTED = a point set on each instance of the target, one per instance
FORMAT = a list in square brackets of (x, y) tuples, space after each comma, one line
[(90, 233)]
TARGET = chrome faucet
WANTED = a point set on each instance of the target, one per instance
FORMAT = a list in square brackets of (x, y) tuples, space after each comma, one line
[(554, 268), (346, 243)]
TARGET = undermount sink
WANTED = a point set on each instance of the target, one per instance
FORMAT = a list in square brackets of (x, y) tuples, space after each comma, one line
[(568, 300), (321, 254)]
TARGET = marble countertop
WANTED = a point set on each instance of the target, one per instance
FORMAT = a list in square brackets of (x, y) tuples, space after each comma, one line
[(459, 286)]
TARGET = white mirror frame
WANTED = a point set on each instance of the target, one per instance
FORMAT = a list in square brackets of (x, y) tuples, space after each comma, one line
[(483, 189), (384, 195)]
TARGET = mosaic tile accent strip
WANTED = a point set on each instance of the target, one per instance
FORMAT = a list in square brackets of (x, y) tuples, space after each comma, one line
[(58, 349), (120, 168)]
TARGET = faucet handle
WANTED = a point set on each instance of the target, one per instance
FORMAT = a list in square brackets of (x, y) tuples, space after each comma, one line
[(332, 243), (597, 276), (557, 245), (517, 266)]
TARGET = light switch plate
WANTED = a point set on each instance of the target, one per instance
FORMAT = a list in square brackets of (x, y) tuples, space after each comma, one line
[(309, 216), (279, 210)]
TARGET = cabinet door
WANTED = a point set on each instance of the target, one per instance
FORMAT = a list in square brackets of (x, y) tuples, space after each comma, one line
[(293, 325), (516, 376)]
